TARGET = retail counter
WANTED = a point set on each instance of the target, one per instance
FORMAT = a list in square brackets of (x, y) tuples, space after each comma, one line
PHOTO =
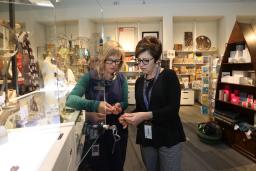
[(44, 148), (41, 135)]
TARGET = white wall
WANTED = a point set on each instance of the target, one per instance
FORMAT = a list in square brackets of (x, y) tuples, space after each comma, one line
[(198, 28), (68, 29), (111, 29), (86, 27)]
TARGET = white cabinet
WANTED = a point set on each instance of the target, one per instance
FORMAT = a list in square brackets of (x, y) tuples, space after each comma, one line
[(62, 155), (187, 97), (65, 153), (42, 148)]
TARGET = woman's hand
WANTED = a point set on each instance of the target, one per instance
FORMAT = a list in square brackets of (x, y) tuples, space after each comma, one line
[(136, 118), (122, 121), (95, 117), (105, 107), (117, 108)]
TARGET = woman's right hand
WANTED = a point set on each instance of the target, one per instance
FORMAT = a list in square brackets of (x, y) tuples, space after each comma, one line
[(95, 117), (105, 107)]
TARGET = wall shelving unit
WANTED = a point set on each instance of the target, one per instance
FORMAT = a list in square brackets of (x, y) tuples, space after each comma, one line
[(229, 114)]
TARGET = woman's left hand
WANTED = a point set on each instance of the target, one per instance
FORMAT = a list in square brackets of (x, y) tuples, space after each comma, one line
[(136, 118)]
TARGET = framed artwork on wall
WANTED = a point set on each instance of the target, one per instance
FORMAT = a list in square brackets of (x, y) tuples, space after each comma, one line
[(127, 38), (152, 33)]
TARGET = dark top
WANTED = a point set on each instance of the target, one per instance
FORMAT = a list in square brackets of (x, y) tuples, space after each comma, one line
[(164, 103)]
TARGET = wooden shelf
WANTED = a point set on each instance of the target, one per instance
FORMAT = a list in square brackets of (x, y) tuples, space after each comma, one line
[(238, 85), (229, 103), (2, 81), (131, 72), (194, 51), (128, 54), (225, 119), (186, 74), (241, 35), (182, 64), (184, 51), (237, 66)]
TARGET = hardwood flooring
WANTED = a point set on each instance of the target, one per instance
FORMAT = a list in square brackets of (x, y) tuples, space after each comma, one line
[(196, 156)]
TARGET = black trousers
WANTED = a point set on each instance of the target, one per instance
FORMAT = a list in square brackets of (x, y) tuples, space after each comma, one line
[(107, 161)]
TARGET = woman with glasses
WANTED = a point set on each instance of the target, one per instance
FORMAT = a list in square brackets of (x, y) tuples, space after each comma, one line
[(157, 94), (105, 92)]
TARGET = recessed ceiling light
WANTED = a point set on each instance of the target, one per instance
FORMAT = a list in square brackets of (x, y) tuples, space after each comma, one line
[(116, 3)]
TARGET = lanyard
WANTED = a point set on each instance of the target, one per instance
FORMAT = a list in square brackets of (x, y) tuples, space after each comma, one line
[(147, 100)]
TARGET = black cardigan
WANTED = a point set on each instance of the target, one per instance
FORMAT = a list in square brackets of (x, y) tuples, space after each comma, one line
[(167, 129)]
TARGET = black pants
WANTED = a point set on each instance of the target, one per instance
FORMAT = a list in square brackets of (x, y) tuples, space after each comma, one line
[(107, 161)]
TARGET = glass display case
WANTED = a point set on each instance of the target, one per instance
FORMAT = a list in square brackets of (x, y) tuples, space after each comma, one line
[(22, 28), (33, 117)]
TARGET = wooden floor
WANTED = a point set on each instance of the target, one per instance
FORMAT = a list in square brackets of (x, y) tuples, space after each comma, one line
[(196, 156)]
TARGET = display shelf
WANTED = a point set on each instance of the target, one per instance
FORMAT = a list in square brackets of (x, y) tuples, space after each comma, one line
[(237, 66), (238, 85), (130, 72), (2, 81), (239, 40), (227, 120), (189, 64), (196, 51), (182, 64), (186, 74), (235, 105), (131, 62)]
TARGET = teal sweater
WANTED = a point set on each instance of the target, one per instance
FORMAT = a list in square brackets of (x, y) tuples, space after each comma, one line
[(77, 101)]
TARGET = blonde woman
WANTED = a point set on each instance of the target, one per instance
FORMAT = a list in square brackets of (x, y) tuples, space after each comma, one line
[(106, 97)]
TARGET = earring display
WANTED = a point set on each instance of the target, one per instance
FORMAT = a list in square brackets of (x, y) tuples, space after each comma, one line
[(31, 69)]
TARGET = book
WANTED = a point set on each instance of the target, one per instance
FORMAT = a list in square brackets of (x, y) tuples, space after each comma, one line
[(205, 90), (204, 110)]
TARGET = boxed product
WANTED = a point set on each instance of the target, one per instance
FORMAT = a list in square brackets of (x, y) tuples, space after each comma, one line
[(237, 75)]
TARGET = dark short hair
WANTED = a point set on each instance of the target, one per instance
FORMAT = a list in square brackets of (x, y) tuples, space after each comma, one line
[(150, 44)]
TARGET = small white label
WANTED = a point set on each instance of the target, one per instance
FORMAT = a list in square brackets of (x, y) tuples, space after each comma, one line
[(96, 150), (23, 112), (236, 127), (148, 131), (248, 134)]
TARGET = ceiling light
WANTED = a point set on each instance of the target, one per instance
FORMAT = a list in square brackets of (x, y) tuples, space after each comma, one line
[(116, 3), (45, 3)]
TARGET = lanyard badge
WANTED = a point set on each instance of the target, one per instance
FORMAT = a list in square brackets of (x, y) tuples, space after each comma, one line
[(148, 131)]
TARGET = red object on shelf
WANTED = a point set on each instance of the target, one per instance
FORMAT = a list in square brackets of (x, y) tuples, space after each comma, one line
[(236, 92), (235, 100), (245, 104)]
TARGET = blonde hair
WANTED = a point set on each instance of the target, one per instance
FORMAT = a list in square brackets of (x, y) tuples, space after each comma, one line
[(110, 48)]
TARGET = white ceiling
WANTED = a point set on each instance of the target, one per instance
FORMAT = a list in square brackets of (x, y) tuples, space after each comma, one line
[(104, 3), (109, 3)]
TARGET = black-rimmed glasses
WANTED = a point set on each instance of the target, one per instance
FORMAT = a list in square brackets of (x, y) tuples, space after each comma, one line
[(111, 61), (144, 61)]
